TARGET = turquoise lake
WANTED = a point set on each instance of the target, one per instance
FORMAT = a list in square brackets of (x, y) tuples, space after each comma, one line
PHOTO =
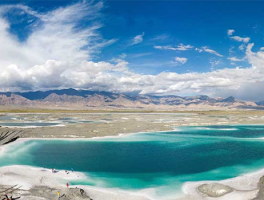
[(160, 160)]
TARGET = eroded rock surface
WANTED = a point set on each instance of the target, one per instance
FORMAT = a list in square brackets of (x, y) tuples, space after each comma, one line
[(260, 195), (65, 194), (44, 193), (214, 189)]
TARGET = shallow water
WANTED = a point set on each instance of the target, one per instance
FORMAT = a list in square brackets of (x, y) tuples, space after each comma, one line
[(28, 124), (162, 160)]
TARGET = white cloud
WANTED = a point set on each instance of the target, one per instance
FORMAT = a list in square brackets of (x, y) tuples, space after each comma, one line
[(181, 60), (230, 32), (234, 59), (199, 50), (138, 55), (242, 47), (180, 47), (116, 76), (160, 37), (165, 47), (237, 38), (138, 39), (214, 63), (240, 39), (231, 50), (55, 36), (206, 49)]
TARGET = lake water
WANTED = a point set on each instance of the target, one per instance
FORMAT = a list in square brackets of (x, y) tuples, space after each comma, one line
[(160, 160)]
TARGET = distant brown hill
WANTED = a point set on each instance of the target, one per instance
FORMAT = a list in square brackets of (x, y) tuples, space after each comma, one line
[(92, 99)]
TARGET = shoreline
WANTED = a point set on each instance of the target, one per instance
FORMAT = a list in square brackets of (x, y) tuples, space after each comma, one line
[(114, 192), (38, 176)]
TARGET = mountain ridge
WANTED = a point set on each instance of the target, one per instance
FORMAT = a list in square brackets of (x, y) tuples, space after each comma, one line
[(92, 99)]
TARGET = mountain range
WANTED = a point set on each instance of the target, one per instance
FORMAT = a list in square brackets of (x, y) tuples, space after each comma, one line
[(85, 99)]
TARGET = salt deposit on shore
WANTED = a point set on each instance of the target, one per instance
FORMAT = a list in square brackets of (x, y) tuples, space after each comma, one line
[(27, 177), (245, 187)]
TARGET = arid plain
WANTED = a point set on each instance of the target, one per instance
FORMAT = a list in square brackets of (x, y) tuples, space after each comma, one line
[(74, 124)]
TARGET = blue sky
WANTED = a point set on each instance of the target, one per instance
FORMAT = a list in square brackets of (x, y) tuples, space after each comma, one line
[(188, 47), (191, 23)]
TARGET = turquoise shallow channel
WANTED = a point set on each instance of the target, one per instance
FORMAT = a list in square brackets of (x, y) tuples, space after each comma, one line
[(160, 160)]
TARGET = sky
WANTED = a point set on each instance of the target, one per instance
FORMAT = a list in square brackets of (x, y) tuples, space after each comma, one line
[(184, 48)]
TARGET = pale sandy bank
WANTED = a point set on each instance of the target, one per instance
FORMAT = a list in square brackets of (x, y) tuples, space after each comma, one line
[(26, 178)]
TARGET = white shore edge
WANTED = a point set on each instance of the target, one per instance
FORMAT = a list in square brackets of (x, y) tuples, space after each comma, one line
[(245, 185), (27, 177)]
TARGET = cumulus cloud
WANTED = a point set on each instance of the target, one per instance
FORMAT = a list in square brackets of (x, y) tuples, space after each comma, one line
[(181, 60), (242, 47), (183, 47), (55, 35), (180, 47), (164, 48), (230, 32), (138, 39), (206, 49), (199, 50), (212, 83), (240, 39)]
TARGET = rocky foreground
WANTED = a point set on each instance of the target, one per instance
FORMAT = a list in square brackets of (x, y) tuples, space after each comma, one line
[(31, 183), (44, 192), (27, 183)]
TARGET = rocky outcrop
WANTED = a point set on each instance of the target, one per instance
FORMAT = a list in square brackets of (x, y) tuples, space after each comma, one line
[(64, 194), (7, 136), (44, 193), (260, 195), (75, 193), (214, 190)]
